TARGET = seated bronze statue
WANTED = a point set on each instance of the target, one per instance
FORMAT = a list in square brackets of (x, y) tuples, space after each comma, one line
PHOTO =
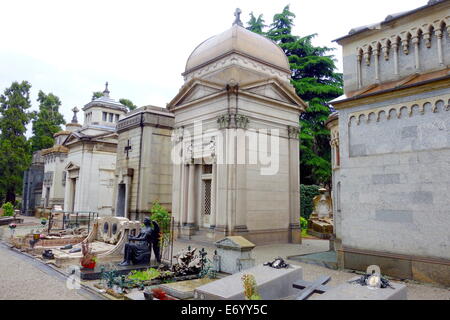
[(140, 252)]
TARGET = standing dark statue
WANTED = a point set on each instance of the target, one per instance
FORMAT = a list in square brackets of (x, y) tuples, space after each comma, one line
[(140, 252)]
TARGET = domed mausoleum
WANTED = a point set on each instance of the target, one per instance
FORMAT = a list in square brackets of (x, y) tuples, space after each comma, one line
[(236, 141)]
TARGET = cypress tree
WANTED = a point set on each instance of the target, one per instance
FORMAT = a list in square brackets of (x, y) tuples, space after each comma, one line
[(46, 122), (14, 147), (316, 82), (256, 24)]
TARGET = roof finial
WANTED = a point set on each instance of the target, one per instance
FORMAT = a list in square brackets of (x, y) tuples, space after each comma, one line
[(106, 92), (74, 119), (237, 14)]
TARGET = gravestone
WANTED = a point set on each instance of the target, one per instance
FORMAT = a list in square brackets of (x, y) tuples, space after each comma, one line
[(235, 254), (354, 291), (272, 284), (184, 289), (310, 288), (321, 222)]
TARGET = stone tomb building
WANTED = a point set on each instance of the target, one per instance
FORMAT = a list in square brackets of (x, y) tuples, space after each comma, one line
[(32, 185), (91, 160), (237, 105), (55, 159), (391, 143), (143, 171)]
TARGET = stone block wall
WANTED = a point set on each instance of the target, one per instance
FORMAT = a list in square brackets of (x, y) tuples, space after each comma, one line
[(395, 176)]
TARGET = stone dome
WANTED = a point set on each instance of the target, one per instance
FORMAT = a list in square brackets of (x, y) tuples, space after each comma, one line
[(240, 40)]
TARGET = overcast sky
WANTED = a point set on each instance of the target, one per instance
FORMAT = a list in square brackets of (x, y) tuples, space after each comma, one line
[(71, 48)]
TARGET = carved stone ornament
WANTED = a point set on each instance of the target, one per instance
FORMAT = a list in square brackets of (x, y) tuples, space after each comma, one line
[(293, 132)]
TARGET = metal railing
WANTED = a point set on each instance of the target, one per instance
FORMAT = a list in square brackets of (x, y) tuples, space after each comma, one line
[(72, 219)]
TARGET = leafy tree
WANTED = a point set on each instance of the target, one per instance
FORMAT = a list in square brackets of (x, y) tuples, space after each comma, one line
[(256, 24), (96, 95), (127, 103), (316, 82), (14, 147), (46, 122)]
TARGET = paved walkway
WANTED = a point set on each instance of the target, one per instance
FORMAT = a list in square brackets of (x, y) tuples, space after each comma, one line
[(22, 278), (263, 254)]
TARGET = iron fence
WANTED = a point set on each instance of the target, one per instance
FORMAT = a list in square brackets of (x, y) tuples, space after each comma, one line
[(167, 243), (71, 219)]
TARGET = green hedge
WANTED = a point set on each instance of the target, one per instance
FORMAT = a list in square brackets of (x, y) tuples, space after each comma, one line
[(307, 194)]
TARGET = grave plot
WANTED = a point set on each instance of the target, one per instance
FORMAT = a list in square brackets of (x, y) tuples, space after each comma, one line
[(271, 283), (178, 281)]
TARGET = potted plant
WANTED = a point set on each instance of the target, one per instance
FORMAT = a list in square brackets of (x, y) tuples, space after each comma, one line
[(89, 259)]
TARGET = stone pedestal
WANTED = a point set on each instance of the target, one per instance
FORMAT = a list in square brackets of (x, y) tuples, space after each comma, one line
[(272, 284), (235, 254), (188, 230), (295, 233), (353, 291)]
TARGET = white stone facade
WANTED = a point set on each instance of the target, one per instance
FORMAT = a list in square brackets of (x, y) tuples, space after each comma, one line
[(91, 160), (391, 187), (143, 172), (236, 96)]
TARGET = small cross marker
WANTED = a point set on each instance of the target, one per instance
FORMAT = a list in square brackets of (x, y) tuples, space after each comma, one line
[(127, 148), (309, 288)]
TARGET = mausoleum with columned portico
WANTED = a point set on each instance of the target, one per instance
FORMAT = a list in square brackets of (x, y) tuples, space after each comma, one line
[(236, 141)]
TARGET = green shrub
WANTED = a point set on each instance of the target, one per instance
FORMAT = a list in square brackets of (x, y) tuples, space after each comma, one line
[(307, 194), (146, 275), (304, 226), (8, 209), (162, 216)]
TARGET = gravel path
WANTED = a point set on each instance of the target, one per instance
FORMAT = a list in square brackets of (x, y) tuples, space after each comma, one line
[(22, 278)]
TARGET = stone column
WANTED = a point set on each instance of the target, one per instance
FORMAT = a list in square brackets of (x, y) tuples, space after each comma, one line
[(376, 54), (184, 194), (221, 202), (190, 223), (358, 70), (439, 35), (213, 196), (231, 179), (415, 41), (240, 221), (395, 50), (294, 186)]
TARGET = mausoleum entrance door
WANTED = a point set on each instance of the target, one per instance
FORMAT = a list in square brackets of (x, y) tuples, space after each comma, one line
[(206, 195), (121, 198)]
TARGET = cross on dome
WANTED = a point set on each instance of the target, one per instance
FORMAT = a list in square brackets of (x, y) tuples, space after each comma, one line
[(237, 14), (106, 92), (75, 111)]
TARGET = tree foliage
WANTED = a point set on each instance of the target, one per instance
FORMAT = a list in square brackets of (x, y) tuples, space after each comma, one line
[(256, 24), (14, 147), (47, 121), (307, 194), (128, 103), (96, 95), (316, 81)]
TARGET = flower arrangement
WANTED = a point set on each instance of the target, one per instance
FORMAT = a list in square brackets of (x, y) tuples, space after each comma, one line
[(250, 291), (160, 294), (89, 259), (12, 228)]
